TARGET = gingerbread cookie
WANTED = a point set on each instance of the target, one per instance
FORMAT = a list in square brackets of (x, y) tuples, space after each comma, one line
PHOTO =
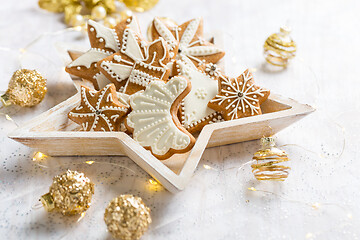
[(153, 120), (137, 63), (186, 41), (104, 42), (194, 113), (99, 110), (238, 97)]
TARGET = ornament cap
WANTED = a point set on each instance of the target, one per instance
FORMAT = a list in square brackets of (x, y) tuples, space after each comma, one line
[(48, 202), (267, 142), (5, 100), (285, 30)]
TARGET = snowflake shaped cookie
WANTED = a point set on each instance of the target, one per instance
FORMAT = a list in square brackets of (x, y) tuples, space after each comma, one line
[(186, 41), (99, 110), (238, 97), (104, 42), (194, 113), (153, 120)]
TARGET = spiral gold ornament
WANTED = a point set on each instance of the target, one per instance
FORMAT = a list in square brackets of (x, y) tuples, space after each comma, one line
[(127, 217), (70, 193), (279, 48), (26, 88), (269, 162)]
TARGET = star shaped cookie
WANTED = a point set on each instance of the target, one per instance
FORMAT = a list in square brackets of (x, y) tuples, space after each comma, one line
[(104, 42), (186, 41), (238, 97), (99, 110)]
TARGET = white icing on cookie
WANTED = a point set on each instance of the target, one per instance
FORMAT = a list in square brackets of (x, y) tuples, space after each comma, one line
[(96, 110), (165, 33), (118, 71), (106, 34), (130, 45), (239, 95), (203, 89), (133, 24), (122, 69), (151, 118), (190, 31), (92, 56)]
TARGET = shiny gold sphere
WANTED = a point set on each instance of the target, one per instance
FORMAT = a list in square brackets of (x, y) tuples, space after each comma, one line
[(70, 193), (127, 217), (98, 12), (140, 5), (26, 88)]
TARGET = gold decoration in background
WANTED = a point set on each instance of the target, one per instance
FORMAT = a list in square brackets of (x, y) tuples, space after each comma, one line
[(26, 88), (279, 48), (70, 193), (269, 161), (127, 217), (109, 12), (140, 5)]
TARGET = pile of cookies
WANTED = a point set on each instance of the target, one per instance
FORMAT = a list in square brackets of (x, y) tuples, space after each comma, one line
[(160, 92)]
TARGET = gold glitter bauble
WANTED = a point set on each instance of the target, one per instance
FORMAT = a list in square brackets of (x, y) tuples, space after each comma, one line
[(269, 161), (26, 88), (127, 217), (70, 193), (279, 48), (140, 5)]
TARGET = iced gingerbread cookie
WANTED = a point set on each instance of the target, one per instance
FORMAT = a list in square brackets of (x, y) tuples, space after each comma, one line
[(99, 110), (238, 97), (153, 120), (186, 41), (104, 42), (137, 63), (194, 113)]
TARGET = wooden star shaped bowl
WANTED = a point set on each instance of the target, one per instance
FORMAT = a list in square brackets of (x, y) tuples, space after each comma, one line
[(54, 134)]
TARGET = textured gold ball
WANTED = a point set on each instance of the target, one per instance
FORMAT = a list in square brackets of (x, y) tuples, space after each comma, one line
[(26, 88), (140, 5), (98, 13), (70, 193), (127, 217)]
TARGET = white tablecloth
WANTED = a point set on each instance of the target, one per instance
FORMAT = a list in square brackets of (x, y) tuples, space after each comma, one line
[(319, 200)]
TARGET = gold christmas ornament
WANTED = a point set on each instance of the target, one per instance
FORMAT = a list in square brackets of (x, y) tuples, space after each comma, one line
[(26, 88), (279, 48), (127, 217), (77, 12), (98, 13), (269, 161), (140, 5), (70, 193)]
